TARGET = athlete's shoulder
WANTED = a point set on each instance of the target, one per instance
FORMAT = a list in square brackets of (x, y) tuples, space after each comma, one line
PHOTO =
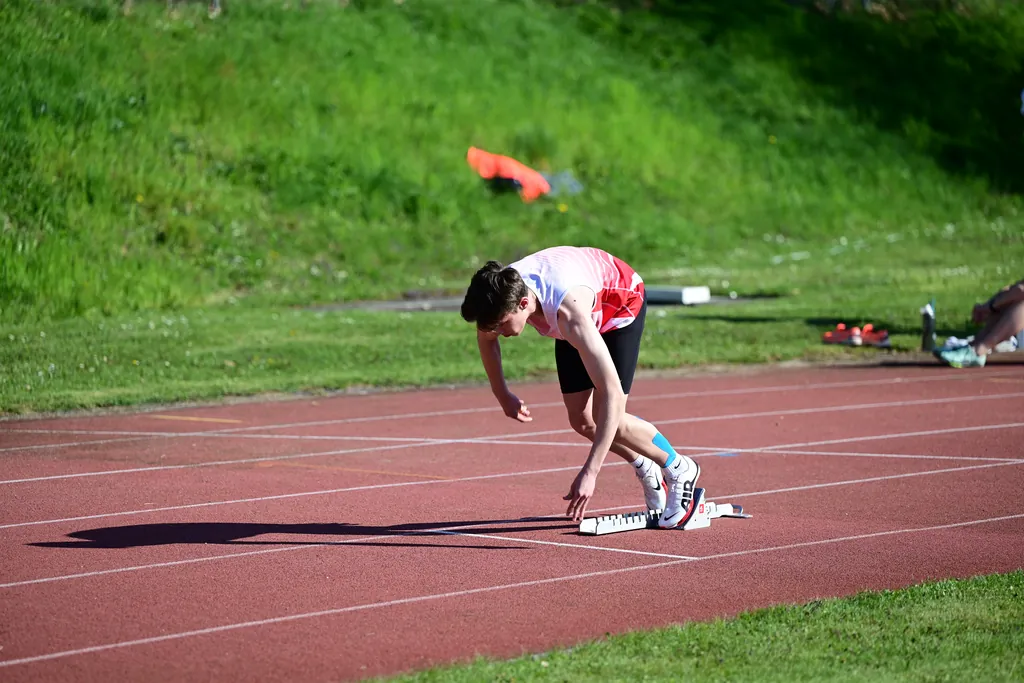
[(577, 304)]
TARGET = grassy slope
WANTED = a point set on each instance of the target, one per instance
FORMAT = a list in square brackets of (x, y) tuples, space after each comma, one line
[(225, 170), (296, 156)]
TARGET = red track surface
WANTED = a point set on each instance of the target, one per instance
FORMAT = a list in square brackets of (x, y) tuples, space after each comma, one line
[(297, 541)]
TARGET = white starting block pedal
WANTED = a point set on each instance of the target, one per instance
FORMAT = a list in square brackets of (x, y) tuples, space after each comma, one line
[(648, 519)]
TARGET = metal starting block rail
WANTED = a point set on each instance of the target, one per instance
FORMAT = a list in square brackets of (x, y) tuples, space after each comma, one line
[(648, 519)]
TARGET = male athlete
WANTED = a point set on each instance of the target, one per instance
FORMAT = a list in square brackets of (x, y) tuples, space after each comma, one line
[(593, 305)]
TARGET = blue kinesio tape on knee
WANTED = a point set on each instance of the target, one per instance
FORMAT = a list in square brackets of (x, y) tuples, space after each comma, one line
[(662, 443)]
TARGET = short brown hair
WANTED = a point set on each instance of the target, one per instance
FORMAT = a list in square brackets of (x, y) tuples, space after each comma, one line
[(493, 293)]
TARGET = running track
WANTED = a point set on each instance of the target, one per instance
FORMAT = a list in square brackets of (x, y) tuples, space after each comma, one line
[(342, 538)]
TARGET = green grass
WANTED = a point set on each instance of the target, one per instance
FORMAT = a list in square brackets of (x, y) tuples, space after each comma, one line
[(950, 630), (232, 172), (293, 156), (216, 352)]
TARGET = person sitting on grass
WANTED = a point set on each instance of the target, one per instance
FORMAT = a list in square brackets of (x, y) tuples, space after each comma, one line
[(1003, 317), (593, 305)]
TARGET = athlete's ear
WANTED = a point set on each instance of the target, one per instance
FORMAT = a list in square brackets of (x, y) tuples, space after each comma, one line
[(523, 303)]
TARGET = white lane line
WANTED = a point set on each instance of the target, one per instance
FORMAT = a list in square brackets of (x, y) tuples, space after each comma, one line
[(857, 439), (175, 563), (474, 591), (782, 413), (701, 451), (464, 526), (683, 420), (144, 435), (896, 456), (282, 496), (768, 449), (654, 397), (722, 451), (845, 482), (574, 546), (69, 443), (887, 477), (427, 441), (465, 411), (902, 435), (860, 537), (276, 458), (451, 530)]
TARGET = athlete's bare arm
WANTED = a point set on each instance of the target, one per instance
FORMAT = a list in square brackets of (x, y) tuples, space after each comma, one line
[(490, 356), (577, 327)]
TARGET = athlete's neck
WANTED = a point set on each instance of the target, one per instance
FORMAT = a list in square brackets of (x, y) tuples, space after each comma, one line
[(536, 310)]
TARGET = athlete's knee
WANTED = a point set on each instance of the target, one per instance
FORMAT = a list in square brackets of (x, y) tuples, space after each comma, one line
[(625, 433), (583, 424)]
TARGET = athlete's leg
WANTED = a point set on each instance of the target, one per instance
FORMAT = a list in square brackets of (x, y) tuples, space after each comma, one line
[(577, 395), (999, 327), (579, 410), (680, 472)]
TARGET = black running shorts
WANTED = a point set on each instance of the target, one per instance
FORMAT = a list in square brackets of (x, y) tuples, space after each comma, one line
[(623, 344)]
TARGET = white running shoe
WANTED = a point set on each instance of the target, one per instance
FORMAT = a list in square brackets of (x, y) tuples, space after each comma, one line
[(653, 481), (681, 480)]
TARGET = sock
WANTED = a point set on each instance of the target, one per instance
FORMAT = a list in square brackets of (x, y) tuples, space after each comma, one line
[(642, 465)]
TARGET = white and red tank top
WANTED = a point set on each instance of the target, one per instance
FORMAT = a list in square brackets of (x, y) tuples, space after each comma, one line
[(552, 272)]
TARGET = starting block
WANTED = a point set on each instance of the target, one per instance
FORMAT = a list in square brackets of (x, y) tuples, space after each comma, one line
[(648, 519)]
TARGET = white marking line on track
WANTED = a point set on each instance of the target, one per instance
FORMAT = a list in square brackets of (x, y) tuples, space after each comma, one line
[(574, 546), (458, 527), (474, 591), (299, 494), (142, 436), (279, 437), (703, 451), (174, 563), (682, 420), (415, 442), (767, 449), (67, 444), (782, 413), (897, 456), (786, 447), (673, 421), (859, 537), (845, 482), (654, 397), (452, 530), (885, 477), (710, 451), (463, 411), (275, 458), (902, 435)]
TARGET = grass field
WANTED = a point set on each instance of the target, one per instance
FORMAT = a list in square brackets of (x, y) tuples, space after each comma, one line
[(950, 630), (233, 172), (179, 195), (209, 353)]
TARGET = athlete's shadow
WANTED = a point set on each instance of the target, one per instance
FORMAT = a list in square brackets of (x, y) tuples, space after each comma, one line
[(240, 533)]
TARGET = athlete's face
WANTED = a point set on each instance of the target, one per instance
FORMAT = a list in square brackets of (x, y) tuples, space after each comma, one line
[(513, 323)]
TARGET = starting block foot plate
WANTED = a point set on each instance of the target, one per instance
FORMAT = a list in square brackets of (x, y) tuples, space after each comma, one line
[(648, 519)]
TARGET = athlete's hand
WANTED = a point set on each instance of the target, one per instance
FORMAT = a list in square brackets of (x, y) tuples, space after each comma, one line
[(514, 408), (580, 494)]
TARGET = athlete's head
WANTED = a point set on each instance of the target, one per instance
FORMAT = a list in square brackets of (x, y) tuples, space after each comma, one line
[(497, 300)]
